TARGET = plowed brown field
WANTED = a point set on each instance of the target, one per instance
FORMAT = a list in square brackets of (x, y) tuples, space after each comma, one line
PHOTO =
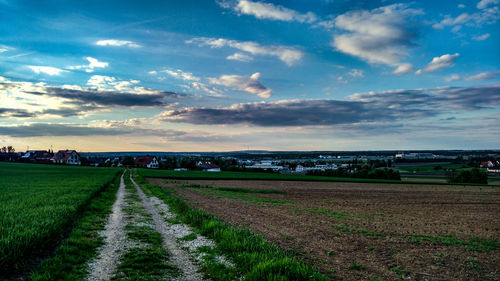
[(363, 231)]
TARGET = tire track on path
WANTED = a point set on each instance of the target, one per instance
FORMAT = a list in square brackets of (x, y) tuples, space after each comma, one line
[(104, 266)]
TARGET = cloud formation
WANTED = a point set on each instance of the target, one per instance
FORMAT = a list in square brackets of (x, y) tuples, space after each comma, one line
[(240, 57), (117, 43), (377, 36), (486, 15), (93, 63), (439, 63), (366, 107), (49, 70), (288, 55), (269, 11), (250, 84), (481, 37), (483, 76), (27, 100), (179, 74)]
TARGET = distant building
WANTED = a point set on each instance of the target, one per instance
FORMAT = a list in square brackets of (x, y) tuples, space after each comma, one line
[(147, 161), (67, 157), (208, 167), (493, 167), (37, 156)]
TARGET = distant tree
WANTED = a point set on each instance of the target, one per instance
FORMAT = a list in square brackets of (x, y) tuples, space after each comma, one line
[(4, 149), (128, 161), (10, 149), (470, 176)]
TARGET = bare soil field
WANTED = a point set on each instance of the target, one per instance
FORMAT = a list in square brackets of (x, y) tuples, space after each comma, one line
[(363, 231)]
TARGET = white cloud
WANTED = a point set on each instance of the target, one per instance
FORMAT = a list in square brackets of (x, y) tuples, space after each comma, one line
[(481, 37), (179, 74), (111, 83), (376, 36), (117, 43), (49, 70), (356, 73), (240, 57), (243, 83), (453, 77), (439, 63), (403, 68), (485, 3), (211, 91), (286, 54), (483, 76), (484, 16), (153, 72), (270, 11), (4, 48), (461, 6), (93, 63)]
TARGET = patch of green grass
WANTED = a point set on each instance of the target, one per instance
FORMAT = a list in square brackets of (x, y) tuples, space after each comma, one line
[(144, 234), (145, 263), (356, 266), (255, 258), (69, 261), (213, 268), (473, 244), (399, 271), (39, 204), (473, 264)]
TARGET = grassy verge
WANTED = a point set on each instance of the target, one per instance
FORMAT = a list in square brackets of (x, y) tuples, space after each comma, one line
[(146, 260), (69, 262), (201, 175), (254, 258)]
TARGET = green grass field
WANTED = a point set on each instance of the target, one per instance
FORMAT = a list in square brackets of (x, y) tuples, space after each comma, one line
[(38, 204)]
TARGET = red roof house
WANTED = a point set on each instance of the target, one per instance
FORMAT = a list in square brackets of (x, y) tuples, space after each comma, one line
[(147, 161)]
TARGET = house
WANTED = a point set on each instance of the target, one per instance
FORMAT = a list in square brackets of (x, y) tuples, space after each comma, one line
[(494, 167), (147, 161), (208, 167), (36, 156), (66, 157)]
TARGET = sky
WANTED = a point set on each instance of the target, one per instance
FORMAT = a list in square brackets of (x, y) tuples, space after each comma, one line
[(231, 75)]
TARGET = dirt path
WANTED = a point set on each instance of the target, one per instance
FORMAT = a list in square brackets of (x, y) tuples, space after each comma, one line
[(103, 267), (179, 257)]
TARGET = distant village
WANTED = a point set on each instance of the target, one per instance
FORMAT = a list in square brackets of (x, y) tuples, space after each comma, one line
[(297, 163)]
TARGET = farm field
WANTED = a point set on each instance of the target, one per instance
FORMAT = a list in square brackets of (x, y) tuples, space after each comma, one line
[(363, 231), (38, 204)]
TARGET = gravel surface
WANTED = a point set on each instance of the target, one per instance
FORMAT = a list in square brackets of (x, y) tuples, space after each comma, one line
[(103, 267), (179, 257)]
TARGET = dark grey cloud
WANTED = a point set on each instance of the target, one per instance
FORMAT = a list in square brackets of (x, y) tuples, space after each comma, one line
[(109, 98), (60, 130), (14, 112), (367, 107)]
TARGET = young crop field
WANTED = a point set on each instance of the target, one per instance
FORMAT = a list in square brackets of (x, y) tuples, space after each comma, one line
[(38, 204), (363, 231)]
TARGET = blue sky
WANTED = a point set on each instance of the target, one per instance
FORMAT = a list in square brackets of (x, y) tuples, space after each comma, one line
[(228, 75)]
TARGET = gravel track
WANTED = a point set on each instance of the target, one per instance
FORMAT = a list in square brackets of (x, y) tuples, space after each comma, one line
[(179, 257), (104, 266)]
